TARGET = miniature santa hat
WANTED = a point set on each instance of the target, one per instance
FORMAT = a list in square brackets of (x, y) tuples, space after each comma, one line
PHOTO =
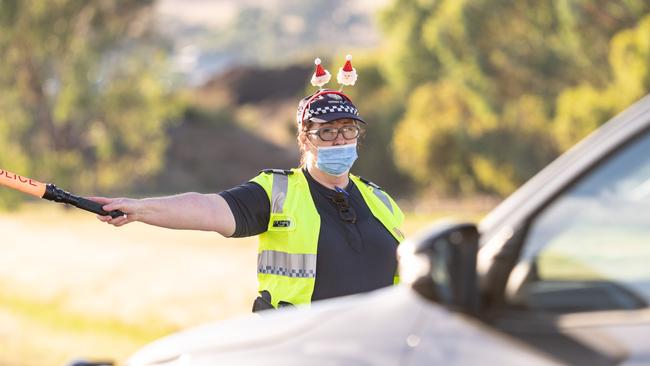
[(321, 76), (347, 74)]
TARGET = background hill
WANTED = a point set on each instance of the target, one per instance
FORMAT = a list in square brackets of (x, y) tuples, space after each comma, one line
[(239, 122)]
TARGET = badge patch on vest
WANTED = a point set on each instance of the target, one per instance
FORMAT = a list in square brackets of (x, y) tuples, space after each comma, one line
[(280, 222)]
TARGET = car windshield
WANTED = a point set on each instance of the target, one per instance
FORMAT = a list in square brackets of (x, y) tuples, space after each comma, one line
[(595, 235)]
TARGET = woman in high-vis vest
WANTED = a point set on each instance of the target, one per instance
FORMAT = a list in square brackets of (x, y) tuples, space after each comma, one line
[(323, 232)]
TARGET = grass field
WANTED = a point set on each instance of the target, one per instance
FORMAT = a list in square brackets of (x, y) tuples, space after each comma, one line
[(73, 287)]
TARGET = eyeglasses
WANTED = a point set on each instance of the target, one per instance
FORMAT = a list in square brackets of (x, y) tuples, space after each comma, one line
[(346, 212), (332, 133)]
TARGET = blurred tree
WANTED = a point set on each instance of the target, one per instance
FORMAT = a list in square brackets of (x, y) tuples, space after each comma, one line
[(431, 141), (583, 108), (510, 152), (83, 102), (488, 73)]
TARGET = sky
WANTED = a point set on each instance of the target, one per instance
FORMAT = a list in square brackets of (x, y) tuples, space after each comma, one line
[(211, 13)]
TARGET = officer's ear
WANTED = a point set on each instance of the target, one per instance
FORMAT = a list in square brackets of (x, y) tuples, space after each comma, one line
[(302, 137)]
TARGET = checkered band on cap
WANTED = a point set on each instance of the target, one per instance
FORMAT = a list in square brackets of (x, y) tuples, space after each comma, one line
[(331, 109)]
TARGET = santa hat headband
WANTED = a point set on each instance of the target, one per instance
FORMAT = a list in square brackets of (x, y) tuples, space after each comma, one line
[(336, 104), (347, 75)]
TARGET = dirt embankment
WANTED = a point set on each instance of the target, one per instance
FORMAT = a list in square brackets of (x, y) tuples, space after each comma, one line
[(238, 123)]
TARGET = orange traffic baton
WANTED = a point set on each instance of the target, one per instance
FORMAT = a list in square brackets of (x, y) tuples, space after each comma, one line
[(52, 193)]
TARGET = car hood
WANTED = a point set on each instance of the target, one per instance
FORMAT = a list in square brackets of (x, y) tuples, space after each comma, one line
[(393, 326)]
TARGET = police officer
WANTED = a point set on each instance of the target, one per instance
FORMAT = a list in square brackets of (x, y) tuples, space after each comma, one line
[(323, 232)]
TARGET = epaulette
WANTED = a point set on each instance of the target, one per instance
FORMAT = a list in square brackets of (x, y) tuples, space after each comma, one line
[(373, 185), (276, 171)]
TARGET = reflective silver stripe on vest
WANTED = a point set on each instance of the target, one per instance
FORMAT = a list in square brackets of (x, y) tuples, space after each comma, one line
[(285, 264), (279, 192), (384, 198)]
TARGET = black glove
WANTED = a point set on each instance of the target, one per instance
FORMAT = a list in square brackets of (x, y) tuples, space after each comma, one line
[(263, 302)]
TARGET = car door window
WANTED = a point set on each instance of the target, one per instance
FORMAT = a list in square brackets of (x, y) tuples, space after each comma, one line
[(590, 248)]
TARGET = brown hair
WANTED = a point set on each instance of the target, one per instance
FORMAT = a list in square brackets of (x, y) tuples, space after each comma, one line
[(302, 142)]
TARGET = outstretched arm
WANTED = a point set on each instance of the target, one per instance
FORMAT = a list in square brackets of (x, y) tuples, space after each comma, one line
[(189, 211)]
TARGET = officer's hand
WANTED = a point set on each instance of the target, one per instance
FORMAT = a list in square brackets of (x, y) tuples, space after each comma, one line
[(129, 206)]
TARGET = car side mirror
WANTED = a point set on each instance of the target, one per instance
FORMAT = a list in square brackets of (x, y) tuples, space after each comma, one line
[(440, 265)]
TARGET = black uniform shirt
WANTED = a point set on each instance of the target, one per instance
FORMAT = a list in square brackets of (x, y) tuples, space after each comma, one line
[(352, 257)]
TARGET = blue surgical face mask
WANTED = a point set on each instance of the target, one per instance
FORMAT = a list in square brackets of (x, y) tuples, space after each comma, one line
[(336, 160)]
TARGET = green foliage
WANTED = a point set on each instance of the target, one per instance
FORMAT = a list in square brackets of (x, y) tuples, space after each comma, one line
[(13, 122), (497, 88), (442, 119), (403, 22), (583, 108), (84, 104), (514, 149)]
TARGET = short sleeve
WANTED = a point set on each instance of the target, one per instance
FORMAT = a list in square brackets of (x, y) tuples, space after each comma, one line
[(250, 206)]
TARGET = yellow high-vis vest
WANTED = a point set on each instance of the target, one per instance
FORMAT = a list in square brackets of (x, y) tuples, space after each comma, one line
[(287, 253)]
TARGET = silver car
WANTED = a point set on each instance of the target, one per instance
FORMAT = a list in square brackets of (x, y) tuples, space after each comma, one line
[(559, 273)]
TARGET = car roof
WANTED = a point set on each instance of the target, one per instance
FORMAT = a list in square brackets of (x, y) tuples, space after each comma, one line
[(566, 169)]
